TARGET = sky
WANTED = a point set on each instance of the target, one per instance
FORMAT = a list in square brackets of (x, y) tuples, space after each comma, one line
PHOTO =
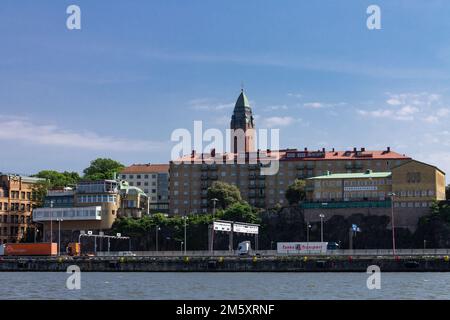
[(138, 70)]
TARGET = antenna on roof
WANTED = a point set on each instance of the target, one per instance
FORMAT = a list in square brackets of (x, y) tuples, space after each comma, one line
[(242, 86)]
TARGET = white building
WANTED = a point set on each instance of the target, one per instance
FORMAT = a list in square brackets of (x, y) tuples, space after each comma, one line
[(153, 179)]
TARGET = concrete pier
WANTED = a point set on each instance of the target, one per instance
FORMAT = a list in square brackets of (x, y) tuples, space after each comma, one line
[(228, 264)]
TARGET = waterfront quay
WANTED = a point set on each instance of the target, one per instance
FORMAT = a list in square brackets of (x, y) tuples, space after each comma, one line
[(432, 261)]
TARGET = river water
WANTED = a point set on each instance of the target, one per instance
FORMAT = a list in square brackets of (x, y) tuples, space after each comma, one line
[(241, 286)]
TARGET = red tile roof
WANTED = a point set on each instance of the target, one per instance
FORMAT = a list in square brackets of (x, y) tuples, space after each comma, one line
[(146, 168)]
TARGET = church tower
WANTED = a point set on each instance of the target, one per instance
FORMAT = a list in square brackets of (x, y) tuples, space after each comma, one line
[(242, 126)]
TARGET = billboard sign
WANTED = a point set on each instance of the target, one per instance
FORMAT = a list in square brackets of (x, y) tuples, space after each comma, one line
[(245, 228), (222, 226), (301, 247)]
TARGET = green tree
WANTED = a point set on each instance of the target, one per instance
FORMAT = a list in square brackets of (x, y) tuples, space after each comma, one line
[(241, 212), (227, 194), (447, 192), (296, 192), (102, 168), (59, 179), (53, 179)]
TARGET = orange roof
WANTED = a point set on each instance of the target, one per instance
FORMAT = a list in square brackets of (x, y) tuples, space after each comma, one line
[(146, 168), (304, 155)]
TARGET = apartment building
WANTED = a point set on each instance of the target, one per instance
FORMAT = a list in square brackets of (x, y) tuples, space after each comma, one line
[(412, 186), (153, 179), (191, 178), (16, 205)]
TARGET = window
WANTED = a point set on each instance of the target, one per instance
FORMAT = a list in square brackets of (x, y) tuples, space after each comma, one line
[(138, 176), (130, 176), (124, 176), (146, 176)]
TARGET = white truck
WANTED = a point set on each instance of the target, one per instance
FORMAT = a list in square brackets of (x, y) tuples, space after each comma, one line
[(245, 249)]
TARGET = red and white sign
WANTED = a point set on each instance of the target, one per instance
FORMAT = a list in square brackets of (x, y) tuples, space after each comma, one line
[(302, 247)]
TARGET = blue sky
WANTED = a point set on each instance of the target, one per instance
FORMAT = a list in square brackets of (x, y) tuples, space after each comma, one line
[(138, 70)]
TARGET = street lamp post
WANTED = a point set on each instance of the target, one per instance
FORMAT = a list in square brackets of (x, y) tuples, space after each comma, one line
[(157, 229), (185, 243), (59, 236), (308, 226), (181, 247), (321, 226), (214, 206), (51, 221), (392, 195), (214, 200)]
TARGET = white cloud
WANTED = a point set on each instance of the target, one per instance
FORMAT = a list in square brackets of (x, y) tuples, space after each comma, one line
[(393, 102), (276, 122), (206, 104), (295, 95), (275, 108), (431, 119), (319, 105), (23, 130), (409, 106), (443, 112)]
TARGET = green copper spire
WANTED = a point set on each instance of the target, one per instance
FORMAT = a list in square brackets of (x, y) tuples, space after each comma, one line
[(242, 115), (242, 101)]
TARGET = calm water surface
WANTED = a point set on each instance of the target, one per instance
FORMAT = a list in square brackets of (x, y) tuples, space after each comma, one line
[(30, 285)]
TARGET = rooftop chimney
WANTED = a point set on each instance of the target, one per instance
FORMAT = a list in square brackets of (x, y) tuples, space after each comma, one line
[(306, 149), (354, 149), (363, 149), (388, 149), (323, 149), (333, 149)]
